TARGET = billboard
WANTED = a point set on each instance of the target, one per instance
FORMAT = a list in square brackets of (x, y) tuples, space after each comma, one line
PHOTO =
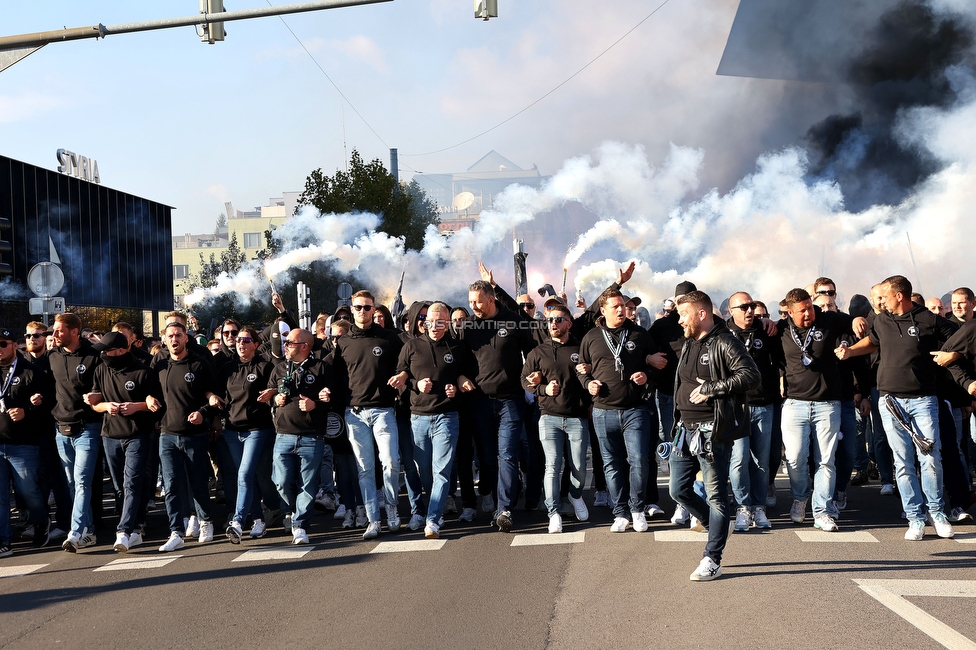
[(114, 248)]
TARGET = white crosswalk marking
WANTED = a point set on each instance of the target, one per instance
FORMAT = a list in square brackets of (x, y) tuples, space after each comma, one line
[(283, 553), (965, 538), (544, 539), (136, 562), (22, 570), (679, 536), (406, 547), (814, 535), (891, 594)]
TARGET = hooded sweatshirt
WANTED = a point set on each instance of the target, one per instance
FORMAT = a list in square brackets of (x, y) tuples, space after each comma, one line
[(442, 362), (618, 391), (366, 359), (125, 379), (498, 344), (557, 361), (820, 380), (73, 374), (241, 383), (905, 341)]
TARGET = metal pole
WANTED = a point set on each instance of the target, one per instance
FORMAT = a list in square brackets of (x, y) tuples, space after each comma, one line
[(101, 31)]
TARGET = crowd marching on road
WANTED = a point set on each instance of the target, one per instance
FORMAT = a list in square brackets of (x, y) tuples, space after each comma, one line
[(288, 419)]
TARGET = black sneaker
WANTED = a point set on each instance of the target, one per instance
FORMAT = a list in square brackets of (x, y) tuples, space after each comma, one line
[(504, 521), (860, 477), (5, 550), (42, 535)]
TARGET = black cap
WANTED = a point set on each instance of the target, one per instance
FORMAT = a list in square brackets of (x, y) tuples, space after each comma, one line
[(7, 334), (685, 287), (112, 341), (634, 299), (860, 305)]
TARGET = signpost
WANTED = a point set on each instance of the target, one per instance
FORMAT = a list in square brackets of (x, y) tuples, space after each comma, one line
[(45, 279)]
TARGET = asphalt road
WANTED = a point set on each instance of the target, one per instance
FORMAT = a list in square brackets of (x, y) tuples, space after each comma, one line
[(479, 591)]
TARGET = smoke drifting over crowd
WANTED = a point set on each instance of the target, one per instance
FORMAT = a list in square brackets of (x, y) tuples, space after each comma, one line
[(902, 160)]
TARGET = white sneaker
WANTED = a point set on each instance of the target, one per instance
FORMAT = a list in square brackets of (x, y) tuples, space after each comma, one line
[(697, 526), (743, 519), (825, 523), (432, 531), (601, 499), (680, 517), (942, 526), (206, 532), (258, 529), (957, 515), (916, 530), (555, 523), (887, 489), (174, 543), (362, 520), (798, 511), (192, 526), (392, 518), (468, 514), (759, 517), (121, 542), (619, 525), (234, 532), (83, 540), (654, 510), (135, 539), (71, 541), (299, 536), (340, 513), (640, 521), (707, 570), (450, 507), (416, 522), (579, 507), (372, 530), (487, 503), (349, 520)]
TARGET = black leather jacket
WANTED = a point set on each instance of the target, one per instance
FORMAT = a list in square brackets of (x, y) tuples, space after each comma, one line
[(736, 373)]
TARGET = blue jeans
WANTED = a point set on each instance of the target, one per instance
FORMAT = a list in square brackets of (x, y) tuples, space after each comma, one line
[(625, 444), (749, 470), (811, 428), (296, 474), (327, 471), (366, 425), (18, 464), (923, 414), (410, 475), (126, 460), (558, 433), (715, 507), (500, 419), (878, 446), (79, 455), (434, 444), (861, 458), (182, 459), (245, 449), (846, 448)]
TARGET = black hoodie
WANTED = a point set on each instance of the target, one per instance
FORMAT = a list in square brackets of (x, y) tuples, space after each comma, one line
[(73, 374), (905, 341), (27, 380), (305, 379), (125, 379), (442, 362), (767, 353), (240, 384), (557, 361), (618, 391), (820, 381), (366, 359), (498, 344), (185, 383)]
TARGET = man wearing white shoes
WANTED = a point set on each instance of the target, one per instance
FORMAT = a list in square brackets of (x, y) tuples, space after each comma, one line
[(714, 375)]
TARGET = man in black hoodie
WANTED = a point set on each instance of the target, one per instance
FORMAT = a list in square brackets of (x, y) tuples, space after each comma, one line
[(416, 322), (906, 334), (713, 377), (550, 374), (365, 360)]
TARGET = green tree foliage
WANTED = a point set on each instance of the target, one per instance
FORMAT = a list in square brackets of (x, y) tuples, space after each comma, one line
[(404, 209)]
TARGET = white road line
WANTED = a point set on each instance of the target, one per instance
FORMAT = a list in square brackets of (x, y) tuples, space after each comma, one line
[(679, 536), (965, 538), (22, 570), (413, 545), (283, 553), (545, 539), (135, 562), (890, 594), (814, 535)]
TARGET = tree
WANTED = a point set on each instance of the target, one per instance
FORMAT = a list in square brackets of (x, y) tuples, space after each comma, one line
[(404, 209), (221, 223)]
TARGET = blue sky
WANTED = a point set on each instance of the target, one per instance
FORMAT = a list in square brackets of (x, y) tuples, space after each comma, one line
[(193, 125)]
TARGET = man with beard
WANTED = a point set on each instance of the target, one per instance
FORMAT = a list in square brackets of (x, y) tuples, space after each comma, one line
[(127, 427), (715, 373)]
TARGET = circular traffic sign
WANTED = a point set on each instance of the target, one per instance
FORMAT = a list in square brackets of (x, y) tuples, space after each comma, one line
[(45, 279), (344, 291)]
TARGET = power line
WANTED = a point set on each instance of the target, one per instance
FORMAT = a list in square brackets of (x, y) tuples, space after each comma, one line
[(566, 81)]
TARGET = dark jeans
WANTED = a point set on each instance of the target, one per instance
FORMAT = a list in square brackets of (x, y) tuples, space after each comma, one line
[(182, 459), (127, 465), (715, 475), (498, 432)]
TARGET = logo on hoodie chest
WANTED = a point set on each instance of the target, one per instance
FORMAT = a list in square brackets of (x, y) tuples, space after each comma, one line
[(703, 359), (130, 385), (189, 377), (81, 369), (251, 377), (913, 331), (502, 332), (448, 358), (574, 357), (630, 346), (377, 351)]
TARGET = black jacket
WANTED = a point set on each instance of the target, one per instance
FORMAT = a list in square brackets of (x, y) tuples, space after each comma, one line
[(669, 337), (26, 381), (557, 361), (127, 380), (905, 341), (364, 360), (767, 353), (73, 374), (963, 342), (734, 374), (305, 379), (820, 381), (240, 384), (498, 344), (440, 361), (618, 391), (185, 383)]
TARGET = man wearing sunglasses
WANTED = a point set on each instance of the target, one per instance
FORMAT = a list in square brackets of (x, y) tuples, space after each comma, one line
[(749, 469), (365, 360), (550, 374)]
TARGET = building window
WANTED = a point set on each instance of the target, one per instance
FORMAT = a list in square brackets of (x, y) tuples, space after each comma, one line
[(252, 240), (181, 271)]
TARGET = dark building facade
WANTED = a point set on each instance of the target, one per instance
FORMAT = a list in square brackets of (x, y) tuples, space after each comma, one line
[(114, 248)]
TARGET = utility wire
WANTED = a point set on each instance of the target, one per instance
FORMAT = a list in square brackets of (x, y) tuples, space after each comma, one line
[(566, 81)]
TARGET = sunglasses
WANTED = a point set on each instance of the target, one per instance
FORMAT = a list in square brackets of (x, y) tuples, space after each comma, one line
[(363, 307), (4, 344), (784, 314), (527, 305), (343, 317), (294, 344), (37, 336), (556, 319), (421, 317), (827, 292), (245, 339), (746, 306), (230, 332)]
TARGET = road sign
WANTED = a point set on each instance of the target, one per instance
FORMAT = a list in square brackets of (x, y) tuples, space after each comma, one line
[(45, 306), (45, 279)]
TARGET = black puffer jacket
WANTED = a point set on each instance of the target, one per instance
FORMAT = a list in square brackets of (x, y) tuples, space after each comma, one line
[(737, 374)]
